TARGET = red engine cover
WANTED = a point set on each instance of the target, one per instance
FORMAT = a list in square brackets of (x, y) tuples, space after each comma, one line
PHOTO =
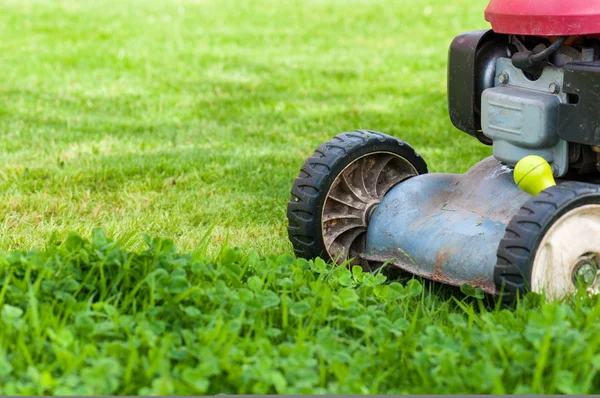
[(544, 17)]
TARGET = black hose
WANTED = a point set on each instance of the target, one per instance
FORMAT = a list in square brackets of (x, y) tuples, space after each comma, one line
[(528, 61), (543, 55)]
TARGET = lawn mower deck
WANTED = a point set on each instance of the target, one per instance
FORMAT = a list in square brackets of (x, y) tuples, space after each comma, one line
[(447, 227), (525, 219)]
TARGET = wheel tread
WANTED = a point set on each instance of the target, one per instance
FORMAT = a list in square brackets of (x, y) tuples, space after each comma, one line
[(319, 171), (517, 250)]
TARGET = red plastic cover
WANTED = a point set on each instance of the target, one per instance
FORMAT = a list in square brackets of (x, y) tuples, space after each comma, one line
[(544, 17)]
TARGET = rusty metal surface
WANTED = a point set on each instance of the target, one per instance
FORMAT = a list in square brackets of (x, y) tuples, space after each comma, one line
[(447, 227)]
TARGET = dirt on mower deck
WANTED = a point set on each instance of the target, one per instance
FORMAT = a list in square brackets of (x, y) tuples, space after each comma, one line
[(447, 227)]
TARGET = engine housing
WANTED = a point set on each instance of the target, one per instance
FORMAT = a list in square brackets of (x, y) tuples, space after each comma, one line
[(520, 116), (471, 70), (552, 111)]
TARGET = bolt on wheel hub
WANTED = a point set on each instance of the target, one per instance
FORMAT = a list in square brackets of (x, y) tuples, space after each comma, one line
[(585, 270)]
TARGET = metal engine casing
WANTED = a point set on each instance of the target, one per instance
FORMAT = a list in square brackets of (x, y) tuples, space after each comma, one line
[(555, 115), (520, 116)]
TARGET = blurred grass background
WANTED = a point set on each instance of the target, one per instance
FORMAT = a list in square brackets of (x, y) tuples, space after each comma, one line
[(172, 117)]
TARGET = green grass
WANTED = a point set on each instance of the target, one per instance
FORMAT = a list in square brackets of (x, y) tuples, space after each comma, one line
[(85, 317), (191, 118), (169, 117)]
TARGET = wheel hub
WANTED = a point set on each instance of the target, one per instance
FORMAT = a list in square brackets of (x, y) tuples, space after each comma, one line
[(559, 265), (369, 211), (585, 271)]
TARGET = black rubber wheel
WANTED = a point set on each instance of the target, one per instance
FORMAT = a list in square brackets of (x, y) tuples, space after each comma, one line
[(338, 188), (521, 243)]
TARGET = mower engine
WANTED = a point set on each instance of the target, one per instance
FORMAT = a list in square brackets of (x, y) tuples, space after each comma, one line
[(524, 107), (526, 218)]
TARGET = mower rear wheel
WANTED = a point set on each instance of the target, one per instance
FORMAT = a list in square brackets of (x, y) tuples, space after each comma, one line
[(338, 189), (551, 246)]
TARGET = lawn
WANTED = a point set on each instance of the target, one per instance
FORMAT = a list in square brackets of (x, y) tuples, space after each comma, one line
[(170, 117), (187, 120)]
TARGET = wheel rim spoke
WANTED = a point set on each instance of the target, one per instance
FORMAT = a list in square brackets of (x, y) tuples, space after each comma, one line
[(340, 216), (346, 202), (348, 178), (375, 173), (341, 228), (358, 246), (385, 187), (351, 198), (362, 175), (344, 243)]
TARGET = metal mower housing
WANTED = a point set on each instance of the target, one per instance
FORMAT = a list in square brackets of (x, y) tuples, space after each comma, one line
[(446, 227)]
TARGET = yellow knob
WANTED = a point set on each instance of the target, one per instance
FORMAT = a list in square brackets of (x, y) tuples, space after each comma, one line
[(533, 174)]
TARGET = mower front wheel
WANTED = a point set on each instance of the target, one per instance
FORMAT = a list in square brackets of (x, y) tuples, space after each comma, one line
[(338, 189), (552, 245)]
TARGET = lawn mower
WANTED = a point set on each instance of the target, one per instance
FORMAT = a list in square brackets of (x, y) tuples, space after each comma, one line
[(526, 218)]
